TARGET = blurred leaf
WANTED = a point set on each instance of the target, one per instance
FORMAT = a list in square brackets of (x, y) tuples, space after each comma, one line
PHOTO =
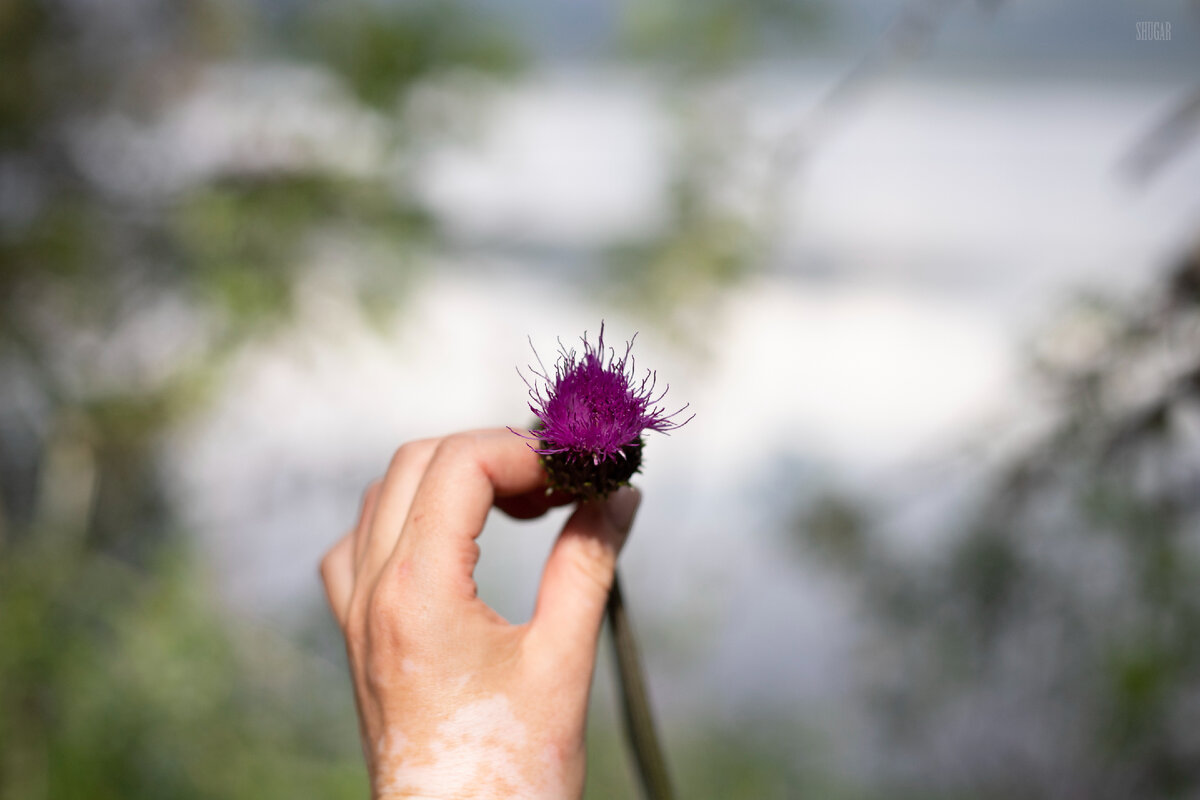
[(711, 35), (835, 528), (112, 685), (121, 676), (382, 49), (1067, 603)]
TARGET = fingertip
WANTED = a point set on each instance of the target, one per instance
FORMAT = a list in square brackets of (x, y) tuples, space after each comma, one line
[(621, 507)]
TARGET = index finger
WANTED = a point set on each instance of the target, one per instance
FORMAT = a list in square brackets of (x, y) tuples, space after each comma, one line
[(468, 473)]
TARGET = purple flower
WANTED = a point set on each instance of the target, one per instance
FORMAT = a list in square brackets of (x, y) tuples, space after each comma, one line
[(591, 417)]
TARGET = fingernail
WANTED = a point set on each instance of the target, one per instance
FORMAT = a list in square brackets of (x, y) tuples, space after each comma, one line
[(620, 507)]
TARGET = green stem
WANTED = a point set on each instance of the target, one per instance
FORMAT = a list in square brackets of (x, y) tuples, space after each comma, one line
[(635, 704)]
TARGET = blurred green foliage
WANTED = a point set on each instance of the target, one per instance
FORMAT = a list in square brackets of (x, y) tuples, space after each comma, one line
[(121, 674), (381, 48), (759, 757), (710, 37), (1052, 647), (128, 682)]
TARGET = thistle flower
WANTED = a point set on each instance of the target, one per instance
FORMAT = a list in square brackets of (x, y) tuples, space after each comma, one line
[(591, 416)]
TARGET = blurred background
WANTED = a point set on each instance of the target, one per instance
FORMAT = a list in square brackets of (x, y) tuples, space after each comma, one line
[(928, 273)]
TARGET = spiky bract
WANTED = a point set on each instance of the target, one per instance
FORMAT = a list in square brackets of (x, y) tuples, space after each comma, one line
[(591, 416)]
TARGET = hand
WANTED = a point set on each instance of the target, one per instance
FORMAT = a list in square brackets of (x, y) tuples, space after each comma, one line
[(454, 701)]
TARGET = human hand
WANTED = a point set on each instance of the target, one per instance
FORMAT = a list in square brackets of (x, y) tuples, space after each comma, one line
[(453, 700)]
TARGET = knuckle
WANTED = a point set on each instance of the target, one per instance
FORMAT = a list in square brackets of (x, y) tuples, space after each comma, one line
[(456, 447), (410, 453), (405, 454), (386, 618), (390, 596), (371, 492)]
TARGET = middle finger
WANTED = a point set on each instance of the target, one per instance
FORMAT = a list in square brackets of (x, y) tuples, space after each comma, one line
[(391, 508)]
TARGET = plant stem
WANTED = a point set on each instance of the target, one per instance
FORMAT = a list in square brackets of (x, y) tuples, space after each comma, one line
[(635, 704)]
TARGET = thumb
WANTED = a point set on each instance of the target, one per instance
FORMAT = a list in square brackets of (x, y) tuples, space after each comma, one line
[(579, 574)]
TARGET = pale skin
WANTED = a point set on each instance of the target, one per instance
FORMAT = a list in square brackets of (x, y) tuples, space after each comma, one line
[(453, 700)]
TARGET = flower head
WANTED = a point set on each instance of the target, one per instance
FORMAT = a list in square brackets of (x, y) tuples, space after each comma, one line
[(591, 416)]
